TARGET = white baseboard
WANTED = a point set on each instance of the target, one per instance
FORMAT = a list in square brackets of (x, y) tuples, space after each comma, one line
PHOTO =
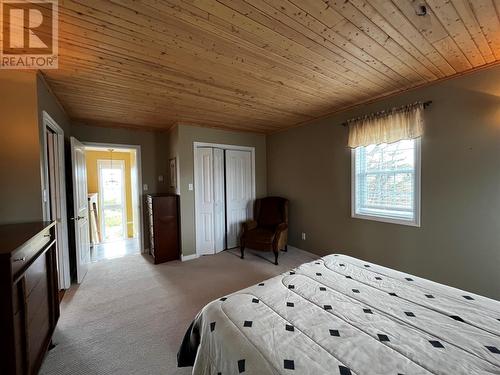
[(185, 258)]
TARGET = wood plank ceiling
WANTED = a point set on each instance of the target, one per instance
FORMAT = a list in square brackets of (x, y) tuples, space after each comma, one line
[(258, 65)]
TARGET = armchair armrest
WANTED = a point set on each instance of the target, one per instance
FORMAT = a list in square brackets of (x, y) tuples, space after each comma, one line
[(281, 228), (278, 233)]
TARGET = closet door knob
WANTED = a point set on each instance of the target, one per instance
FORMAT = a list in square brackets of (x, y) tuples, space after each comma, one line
[(20, 259)]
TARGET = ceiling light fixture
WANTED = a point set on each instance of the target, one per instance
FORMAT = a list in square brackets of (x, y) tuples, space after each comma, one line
[(112, 181), (420, 8)]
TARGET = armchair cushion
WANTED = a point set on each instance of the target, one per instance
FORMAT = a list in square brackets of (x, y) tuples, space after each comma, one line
[(260, 236), (249, 225)]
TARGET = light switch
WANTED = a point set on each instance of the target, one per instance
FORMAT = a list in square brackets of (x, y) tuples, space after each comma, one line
[(145, 187), (190, 187), (160, 178)]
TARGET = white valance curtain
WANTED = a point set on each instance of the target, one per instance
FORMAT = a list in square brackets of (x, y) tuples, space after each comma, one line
[(387, 126)]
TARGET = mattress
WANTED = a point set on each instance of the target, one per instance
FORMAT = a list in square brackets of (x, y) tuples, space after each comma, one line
[(341, 315)]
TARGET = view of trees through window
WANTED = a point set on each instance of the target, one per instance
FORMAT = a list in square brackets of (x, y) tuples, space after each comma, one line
[(112, 186), (385, 178)]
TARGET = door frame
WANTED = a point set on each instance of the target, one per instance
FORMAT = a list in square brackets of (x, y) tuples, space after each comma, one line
[(224, 147), (100, 163), (62, 223), (137, 148)]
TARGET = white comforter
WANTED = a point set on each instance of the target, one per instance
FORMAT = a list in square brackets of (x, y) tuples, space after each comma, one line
[(341, 315)]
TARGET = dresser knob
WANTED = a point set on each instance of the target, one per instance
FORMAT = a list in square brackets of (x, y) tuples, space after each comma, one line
[(20, 259)]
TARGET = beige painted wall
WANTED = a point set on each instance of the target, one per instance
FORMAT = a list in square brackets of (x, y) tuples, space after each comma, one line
[(20, 187), (153, 154), (459, 240), (186, 136), (24, 98)]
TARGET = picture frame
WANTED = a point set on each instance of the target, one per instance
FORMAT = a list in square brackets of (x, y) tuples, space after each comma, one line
[(173, 172)]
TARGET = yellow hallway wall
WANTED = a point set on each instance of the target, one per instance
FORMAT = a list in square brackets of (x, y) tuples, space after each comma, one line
[(93, 180)]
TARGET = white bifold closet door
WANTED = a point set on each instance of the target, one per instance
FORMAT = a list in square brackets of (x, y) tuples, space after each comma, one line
[(209, 197), (219, 201), (223, 197), (239, 193)]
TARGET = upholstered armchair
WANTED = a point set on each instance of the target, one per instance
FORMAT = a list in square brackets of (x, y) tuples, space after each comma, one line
[(269, 229)]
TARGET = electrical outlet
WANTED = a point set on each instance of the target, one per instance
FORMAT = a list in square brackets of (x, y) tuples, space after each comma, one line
[(190, 187), (145, 187), (303, 236)]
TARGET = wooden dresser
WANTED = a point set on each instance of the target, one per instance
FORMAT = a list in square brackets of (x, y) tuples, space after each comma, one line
[(163, 216), (29, 303)]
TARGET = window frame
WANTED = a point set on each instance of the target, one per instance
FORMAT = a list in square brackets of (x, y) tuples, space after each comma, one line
[(416, 221)]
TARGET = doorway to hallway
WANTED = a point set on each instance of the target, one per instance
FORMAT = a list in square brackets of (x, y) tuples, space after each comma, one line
[(114, 203), (113, 198)]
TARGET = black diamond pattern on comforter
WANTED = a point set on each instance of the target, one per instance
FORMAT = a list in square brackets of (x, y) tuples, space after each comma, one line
[(341, 315)]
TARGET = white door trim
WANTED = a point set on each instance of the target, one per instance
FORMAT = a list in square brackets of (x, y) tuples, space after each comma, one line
[(224, 147), (137, 149), (62, 221)]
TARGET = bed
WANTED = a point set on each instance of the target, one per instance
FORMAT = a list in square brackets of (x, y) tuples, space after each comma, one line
[(341, 315)]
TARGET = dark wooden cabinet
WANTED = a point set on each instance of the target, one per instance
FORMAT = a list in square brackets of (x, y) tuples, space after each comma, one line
[(29, 303), (163, 216)]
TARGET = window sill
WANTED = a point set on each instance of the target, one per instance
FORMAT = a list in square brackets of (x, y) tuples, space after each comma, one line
[(386, 219)]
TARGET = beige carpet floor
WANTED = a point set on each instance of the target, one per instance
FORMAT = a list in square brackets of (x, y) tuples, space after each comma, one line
[(129, 316)]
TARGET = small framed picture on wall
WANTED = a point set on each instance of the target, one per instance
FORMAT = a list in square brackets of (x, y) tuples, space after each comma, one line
[(173, 173)]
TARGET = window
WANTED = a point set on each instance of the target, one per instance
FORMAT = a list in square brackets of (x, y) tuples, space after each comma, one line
[(112, 199), (386, 182)]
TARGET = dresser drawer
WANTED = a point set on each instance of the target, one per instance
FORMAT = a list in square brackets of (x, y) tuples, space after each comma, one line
[(17, 297), (36, 274), (37, 335), (20, 342), (22, 256)]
